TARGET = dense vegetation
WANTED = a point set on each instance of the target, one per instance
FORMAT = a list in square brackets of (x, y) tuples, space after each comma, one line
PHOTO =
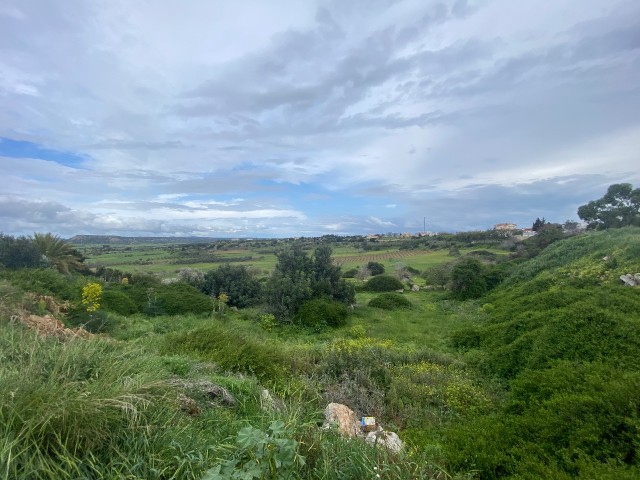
[(515, 364)]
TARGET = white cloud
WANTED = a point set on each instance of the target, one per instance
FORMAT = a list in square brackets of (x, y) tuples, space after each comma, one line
[(205, 106)]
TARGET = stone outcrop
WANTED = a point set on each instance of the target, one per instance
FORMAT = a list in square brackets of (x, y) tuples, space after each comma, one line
[(218, 396), (343, 418), (268, 402), (388, 440), (631, 279)]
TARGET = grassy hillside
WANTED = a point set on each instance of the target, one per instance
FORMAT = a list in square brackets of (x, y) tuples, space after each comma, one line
[(563, 335)]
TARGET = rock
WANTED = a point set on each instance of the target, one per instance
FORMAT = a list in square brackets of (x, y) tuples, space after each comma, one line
[(631, 279), (415, 288), (189, 405), (389, 440), (220, 395), (343, 417), (267, 402), (400, 290)]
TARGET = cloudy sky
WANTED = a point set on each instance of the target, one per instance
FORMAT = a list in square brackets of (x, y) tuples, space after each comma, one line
[(288, 117)]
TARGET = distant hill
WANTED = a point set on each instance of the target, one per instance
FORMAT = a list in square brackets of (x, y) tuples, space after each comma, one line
[(115, 239)]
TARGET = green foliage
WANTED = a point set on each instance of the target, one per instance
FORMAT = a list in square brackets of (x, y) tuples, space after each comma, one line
[(58, 253), (351, 273), (376, 268), (236, 281), (319, 313), (45, 281), (468, 279), (390, 301), (298, 278), (563, 335), (79, 409), (116, 300), (180, 298), (383, 283), (232, 351), (261, 455), (19, 252), (619, 207), (438, 275)]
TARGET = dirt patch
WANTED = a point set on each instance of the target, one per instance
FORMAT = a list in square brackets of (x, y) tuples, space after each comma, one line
[(50, 326)]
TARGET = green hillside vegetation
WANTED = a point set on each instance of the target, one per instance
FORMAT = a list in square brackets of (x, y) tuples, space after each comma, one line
[(520, 364), (563, 335)]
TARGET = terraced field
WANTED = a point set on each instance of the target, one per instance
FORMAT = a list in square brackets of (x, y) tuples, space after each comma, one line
[(378, 257)]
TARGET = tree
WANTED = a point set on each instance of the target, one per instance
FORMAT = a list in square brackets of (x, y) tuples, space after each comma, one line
[(619, 207), (18, 252), (241, 286), (298, 278), (438, 275), (538, 224), (376, 268), (468, 279), (58, 252)]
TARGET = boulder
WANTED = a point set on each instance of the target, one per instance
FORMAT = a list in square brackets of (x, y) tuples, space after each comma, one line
[(631, 279), (415, 288), (388, 440), (343, 418)]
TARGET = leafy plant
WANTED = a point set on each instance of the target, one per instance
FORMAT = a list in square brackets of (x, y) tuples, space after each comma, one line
[(261, 455)]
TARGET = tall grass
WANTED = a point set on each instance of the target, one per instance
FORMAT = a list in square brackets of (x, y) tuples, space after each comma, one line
[(84, 409)]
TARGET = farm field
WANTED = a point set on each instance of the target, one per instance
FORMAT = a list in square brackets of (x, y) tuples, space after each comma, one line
[(167, 260)]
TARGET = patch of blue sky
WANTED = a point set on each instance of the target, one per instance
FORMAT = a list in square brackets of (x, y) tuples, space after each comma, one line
[(23, 149)]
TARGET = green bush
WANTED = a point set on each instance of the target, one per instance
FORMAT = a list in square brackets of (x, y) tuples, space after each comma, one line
[(468, 279), (383, 283), (351, 273), (118, 301), (320, 312), (390, 301), (232, 351), (376, 268), (180, 298)]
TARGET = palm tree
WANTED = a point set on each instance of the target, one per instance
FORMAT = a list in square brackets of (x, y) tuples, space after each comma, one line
[(58, 252)]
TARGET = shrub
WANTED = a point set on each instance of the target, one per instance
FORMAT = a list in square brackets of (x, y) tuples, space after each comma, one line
[(383, 283), (468, 280), (351, 273), (232, 351), (119, 302), (236, 281), (376, 268), (320, 312), (181, 298), (390, 301)]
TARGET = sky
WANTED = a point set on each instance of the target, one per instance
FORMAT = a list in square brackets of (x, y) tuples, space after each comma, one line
[(288, 118)]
